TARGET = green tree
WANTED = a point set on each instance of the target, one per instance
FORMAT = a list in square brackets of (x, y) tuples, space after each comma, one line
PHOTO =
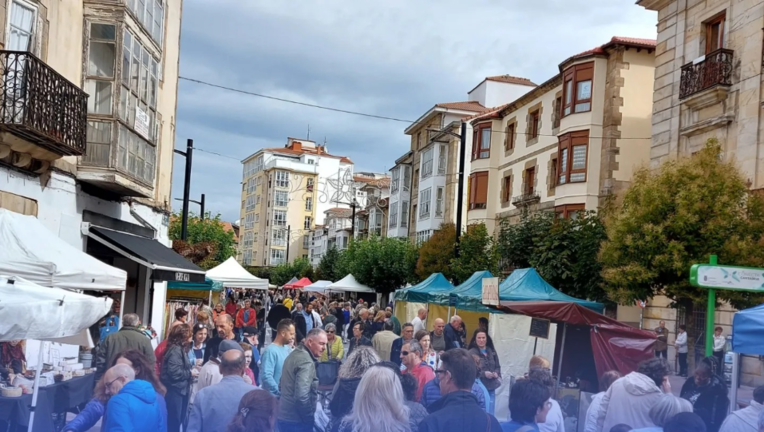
[(518, 241), (477, 251), (284, 272), (384, 264), (208, 243), (678, 216), (436, 254), (327, 267)]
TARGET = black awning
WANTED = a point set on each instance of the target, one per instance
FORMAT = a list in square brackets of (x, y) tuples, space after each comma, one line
[(165, 263)]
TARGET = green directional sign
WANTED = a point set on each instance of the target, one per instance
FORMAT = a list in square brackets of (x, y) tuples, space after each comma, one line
[(727, 277)]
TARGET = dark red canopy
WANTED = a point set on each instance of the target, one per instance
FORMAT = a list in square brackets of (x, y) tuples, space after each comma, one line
[(616, 346)]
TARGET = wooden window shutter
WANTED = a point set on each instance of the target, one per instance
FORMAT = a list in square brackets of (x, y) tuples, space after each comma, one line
[(481, 189)]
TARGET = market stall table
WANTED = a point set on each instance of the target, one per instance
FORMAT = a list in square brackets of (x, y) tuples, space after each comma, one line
[(65, 396), (14, 414)]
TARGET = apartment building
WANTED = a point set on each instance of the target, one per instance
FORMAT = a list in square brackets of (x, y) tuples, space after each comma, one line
[(286, 191), (424, 182), (708, 84), (87, 129), (569, 142), (371, 219)]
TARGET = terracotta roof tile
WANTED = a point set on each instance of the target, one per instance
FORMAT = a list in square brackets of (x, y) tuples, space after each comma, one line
[(363, 179), (463, 106), (228, 227), (615, 40), (339, 212), (511, 80), (494, 113)]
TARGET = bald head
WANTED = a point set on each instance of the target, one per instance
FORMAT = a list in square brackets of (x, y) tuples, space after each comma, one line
[(232, 362), (439, 326), (422, 314), (224, 326), (116, 378)]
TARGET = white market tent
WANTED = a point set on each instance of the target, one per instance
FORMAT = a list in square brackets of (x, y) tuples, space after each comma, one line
[(318, 286), (348, 284), (233, 275), (30, 251), (49, 314)]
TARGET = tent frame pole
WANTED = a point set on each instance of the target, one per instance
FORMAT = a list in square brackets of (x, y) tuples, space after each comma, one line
[(562, 353), (36, 387), (121, 308)]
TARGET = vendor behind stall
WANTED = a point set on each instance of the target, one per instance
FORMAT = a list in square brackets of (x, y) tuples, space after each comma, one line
[(12, 356)]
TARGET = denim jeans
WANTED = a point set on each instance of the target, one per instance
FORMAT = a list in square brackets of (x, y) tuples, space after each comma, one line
[(285, 426), (491, 402)]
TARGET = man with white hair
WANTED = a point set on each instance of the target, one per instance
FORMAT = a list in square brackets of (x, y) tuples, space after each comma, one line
[(454, 332), (134, 404), (299, 384), (129, 337), (747, 419)]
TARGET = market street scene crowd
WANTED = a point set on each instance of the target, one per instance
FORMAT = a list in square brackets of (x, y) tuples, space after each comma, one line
[(338, 365)]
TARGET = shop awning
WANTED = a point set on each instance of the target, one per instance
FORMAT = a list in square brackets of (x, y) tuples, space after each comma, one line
[(349, 284), (166, 264), (318, 286), (302, 283), (207, 285), (747, 325), (31, 251)]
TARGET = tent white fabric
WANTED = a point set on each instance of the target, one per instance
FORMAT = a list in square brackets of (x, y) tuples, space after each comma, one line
[(30, 251), (318, 286), (48, 314), (233, 275), (348, 284)]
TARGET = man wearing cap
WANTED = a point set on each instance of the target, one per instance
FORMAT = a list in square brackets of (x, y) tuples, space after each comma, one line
[(216, 405), (251, 336)]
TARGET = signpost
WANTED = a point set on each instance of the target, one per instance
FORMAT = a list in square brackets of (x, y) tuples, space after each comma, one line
[(713, 277)]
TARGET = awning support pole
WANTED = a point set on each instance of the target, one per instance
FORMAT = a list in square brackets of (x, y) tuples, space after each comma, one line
[(121, 308), (36, 387), (562, 353)]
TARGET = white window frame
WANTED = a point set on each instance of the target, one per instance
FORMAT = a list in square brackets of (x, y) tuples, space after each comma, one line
[(404, 214), (277, 201), (282, 222), (307, 222), (395, 180), (427, 158), (282, 179), (439, 192), (279, 237), (393, 215), (33, 48), (309, 204), (425, 198), (406, 178), (442, 155), (278, 256)]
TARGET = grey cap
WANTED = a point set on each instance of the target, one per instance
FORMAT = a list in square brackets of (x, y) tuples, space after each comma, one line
[(227, 345)]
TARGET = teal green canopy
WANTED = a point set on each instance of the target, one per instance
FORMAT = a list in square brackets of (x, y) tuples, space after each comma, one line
[(469, 295), (207, 285), (434, 289), (527, 285)]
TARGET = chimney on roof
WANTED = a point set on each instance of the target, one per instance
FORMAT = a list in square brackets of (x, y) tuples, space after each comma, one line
[(296, 146)]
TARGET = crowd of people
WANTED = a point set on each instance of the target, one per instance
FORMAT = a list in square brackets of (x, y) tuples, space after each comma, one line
[(217, 374)]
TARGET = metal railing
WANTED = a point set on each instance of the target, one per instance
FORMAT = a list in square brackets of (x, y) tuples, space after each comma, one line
[(41, 106), (713, 70)]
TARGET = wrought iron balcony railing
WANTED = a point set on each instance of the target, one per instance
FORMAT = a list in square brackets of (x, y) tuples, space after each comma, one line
[(714, 70), (526, 199), (41, 106)]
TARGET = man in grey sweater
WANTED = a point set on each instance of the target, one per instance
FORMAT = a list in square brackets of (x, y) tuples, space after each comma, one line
[(216, 405)]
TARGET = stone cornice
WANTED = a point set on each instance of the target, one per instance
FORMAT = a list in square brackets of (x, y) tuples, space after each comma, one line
[(654, 5)]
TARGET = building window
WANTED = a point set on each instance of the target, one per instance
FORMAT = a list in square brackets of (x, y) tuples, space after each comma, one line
[(309, 204), (135, 156), (393, 215), (509, 138), (481, 142), (307, 223), (279, 217), (257, 217), (250, 186), (442, 155), (715, 34), (406, 178), (404, 214), (572, 157), (249, 221), (423, 236), (279, 237), (250, 203), (309, 185), (569, 211), (425, 196), (418, 140), (150, 14), (102, 56), (427, 163), (282, 179), (553, 167), (395, 181), (530, 181), (311, 161), (577, 91), (556, 112), (21, 27), (277, 256), (280, 198), (478, 190), (535, 124), (506, 188), (439, 202), (306, 242)]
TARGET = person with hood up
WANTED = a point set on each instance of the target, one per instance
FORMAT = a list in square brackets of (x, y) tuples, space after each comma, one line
[(350, 374), (746, 419), (134, 404), (630, 398), (708, 394)]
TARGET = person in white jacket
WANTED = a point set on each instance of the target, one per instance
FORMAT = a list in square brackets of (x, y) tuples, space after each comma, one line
[(681, 349), (746, 419), (606, 380), (629, 399)]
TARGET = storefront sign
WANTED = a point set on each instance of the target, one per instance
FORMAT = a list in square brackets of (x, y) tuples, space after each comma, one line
[(141, 122), (167, 275), (539, 328), (491, 291)]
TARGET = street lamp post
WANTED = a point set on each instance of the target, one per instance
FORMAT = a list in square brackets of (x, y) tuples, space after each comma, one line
[(188, 154), (460, 187), (200, 202)]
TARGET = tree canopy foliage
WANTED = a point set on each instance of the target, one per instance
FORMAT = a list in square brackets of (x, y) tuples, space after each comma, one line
[(384, 264), (678, 216), (477, 252), (284, 272), (208, 243), (436, 254), (327, 268)]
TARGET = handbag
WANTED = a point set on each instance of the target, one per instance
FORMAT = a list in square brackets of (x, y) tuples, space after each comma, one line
[(327, 372)]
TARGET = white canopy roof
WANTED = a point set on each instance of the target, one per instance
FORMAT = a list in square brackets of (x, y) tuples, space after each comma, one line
[(31, 311), (348, 284), (318, 286), (30, 251), (233, 275)]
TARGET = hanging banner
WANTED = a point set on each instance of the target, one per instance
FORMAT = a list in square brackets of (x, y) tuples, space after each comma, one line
[(491, 291)]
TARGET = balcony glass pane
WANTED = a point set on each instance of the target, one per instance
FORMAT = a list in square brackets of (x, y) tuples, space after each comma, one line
[(578, 177), (579, 157), (583, 107), (126, 49), (584, 90), (98, 151), (103, 31), (135, 65), (144, 75), (101, 59), (136, 156), (153, 84), (100, 99)]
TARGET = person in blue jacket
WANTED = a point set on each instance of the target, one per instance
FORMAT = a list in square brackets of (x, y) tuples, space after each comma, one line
[(431, 393), (134, 405)]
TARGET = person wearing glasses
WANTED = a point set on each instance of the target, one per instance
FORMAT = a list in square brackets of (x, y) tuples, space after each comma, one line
[(528, 406), (134, 404), (457, 410), (411, 358), (334, 348)]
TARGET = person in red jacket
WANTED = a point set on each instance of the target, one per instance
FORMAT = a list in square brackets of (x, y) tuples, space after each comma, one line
[(246, 317)]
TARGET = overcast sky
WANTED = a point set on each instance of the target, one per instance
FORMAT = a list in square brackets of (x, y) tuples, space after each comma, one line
[(393, 58)]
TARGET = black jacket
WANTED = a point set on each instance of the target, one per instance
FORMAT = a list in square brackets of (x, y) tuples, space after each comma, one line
[(276, 314), (453, 337), (301, 326), (710, 402), (395, 351), (364, 341), (343, 396), (176, 370), (457, 412)]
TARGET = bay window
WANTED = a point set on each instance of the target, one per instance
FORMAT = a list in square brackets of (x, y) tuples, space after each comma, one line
[(481, 142), (99, 83), (577, 88), (138, 93), (427, 163), (150, 14), (572, 155), (478, 186)]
